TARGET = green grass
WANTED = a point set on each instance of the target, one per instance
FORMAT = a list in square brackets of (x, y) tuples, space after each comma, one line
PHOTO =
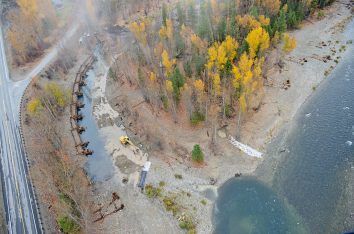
[(197, 117), (67, 225), (203, 202)]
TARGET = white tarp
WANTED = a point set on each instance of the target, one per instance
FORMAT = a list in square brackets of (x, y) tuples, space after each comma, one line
[(245, 148)]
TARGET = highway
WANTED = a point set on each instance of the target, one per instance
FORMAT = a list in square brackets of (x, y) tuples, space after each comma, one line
[(21, 211), (22, 215)]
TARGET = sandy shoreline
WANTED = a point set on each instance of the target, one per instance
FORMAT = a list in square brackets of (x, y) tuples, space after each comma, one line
[(316, 41)]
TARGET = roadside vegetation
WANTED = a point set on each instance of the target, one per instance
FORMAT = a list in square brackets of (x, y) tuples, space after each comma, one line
[(57, 172), (33, 27), (59, 178)]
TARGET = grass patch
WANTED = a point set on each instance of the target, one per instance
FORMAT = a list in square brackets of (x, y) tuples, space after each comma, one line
[(320, 14), (203, 202), (152, 192), (187, 223), (67, 225), (197, 117), (171, 205)]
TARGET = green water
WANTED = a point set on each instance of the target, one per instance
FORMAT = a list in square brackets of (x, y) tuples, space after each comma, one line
[(245, 205)]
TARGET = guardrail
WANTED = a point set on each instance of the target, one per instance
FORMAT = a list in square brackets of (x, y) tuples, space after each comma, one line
[(28, 163)]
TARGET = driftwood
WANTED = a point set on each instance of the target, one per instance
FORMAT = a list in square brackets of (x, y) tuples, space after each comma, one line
[(103, 209)]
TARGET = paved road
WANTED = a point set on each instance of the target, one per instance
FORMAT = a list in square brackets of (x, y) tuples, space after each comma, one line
[(21, 210)]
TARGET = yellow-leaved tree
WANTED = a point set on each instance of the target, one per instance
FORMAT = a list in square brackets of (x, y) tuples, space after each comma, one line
[(167, 63), (139, 32), (34, 106), (258, 41), (289, 43)]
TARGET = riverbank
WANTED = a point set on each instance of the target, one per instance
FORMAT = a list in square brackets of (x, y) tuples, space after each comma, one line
[(305, 68), (320, 47)]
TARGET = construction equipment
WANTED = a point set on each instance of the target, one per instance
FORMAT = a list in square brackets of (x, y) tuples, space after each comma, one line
[(129, 144), (125, 140)]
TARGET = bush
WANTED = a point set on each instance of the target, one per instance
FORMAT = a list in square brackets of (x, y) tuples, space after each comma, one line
[(34, 106), (197, 117), (164, 101), (152, 192), (187, 224), (170, 205), (320, 14), (59, 96), (197, 154), (187, 69), (229, 110), (178, 176), (67, 225)]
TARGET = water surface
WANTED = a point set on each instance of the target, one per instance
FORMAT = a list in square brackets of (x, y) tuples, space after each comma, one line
[(311, 181), (99, 165), (245, 205)]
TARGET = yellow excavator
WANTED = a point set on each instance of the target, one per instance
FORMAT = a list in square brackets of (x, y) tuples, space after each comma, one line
[(125, 140)]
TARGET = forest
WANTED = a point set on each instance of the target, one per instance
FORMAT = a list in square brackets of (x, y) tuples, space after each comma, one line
[(205, 60)]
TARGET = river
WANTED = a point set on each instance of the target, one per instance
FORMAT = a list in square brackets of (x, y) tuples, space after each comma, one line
[(311, 191)]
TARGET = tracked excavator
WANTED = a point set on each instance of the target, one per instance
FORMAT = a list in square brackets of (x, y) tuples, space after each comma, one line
[(124, 140)]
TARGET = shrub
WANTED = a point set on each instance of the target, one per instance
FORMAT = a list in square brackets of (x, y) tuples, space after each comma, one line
[(152, 192), (229, 110), (187, 69), (204, 202), (187, 224), (34, 106), (197, 154), (178, 176), (55, 92), (197, 117), (67, 225), (170, 205), (164, 101), (320, 14)]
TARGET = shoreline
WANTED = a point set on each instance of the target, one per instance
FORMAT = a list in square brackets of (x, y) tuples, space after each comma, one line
[(260, 130), (280, 128), (316, 41)]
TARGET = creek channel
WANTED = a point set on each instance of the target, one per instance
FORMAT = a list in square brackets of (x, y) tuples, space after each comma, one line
[(99, 165)]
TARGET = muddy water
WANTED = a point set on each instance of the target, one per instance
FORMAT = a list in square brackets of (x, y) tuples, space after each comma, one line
[(99, 165), (311, 182)]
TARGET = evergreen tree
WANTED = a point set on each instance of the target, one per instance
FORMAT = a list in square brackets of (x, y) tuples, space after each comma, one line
[(197, 154)]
